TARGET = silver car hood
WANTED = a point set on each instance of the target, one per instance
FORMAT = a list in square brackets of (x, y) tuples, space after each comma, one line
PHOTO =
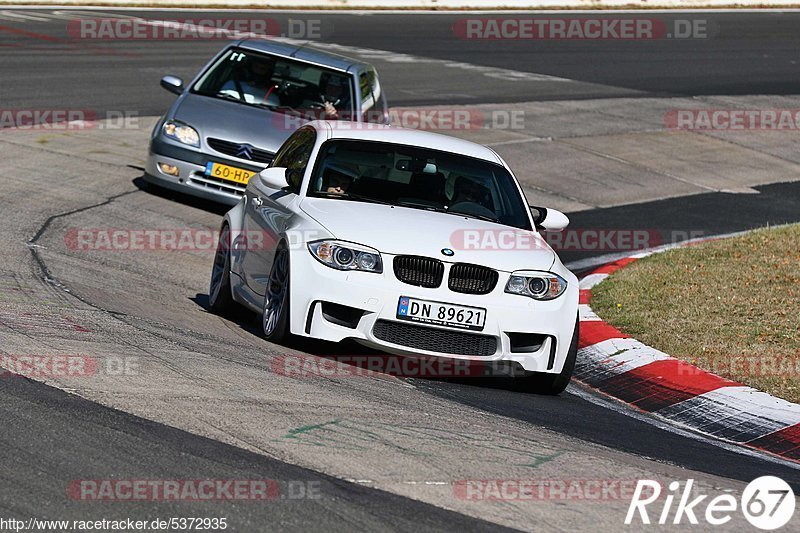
[(402, 230), (213, 117)]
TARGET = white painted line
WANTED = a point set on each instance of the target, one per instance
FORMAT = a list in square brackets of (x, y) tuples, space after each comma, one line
[(498, 7), (640, 255), (20, 16), (50, 15), (591, 280), (593, 262), (522, 141), (372, 54), (586, 314), (443, 8)]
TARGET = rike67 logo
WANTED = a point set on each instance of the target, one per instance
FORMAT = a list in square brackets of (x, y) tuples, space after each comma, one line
[(767, 503)]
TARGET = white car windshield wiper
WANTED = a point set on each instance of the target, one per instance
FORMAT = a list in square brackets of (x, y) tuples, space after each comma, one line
[(426, 207), (349, 196), (444, 209), (473, 215)]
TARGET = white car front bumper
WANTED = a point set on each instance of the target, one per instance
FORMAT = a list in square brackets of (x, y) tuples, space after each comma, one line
[(535, 334)]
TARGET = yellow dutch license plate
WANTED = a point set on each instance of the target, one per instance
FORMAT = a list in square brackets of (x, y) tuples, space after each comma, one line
[(224, 172)]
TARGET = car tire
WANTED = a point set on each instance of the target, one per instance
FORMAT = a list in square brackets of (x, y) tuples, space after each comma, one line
[(554, 384), (275, 311), (220, 295)]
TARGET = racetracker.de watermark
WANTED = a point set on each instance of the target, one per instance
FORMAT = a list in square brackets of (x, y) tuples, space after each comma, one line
[(67, 119), (579, 28), (406, 366), (584, 490), (124, 490), (178, 239), (133, 28), (429, 119), (787, 366), (487, 240), (568, 240), (733, 119), (143, 239), (67, 366)]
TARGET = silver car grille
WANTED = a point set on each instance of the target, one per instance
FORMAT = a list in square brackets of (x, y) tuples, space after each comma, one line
[(241, 151)]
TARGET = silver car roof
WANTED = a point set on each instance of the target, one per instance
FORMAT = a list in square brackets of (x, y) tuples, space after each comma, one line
[(303, 53)]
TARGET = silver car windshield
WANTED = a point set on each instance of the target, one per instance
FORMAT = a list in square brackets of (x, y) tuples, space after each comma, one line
[(419, 178), (280, 84)]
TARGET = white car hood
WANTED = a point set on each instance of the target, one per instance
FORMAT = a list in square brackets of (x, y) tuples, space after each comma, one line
[(401, 230)]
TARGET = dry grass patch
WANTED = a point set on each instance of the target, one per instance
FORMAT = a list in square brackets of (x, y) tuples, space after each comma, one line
[(731, 307)]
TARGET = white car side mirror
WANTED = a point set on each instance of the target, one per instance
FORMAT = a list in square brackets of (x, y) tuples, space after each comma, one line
[(549, 219), (273, 177)]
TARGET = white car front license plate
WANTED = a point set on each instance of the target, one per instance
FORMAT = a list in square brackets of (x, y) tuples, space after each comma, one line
[(440, 313)]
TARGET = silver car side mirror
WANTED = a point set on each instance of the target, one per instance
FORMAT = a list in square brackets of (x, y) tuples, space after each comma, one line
[(173, 84), (273, 177)]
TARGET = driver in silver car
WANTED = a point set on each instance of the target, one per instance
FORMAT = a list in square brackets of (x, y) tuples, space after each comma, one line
[(333, 90), (254, 80)]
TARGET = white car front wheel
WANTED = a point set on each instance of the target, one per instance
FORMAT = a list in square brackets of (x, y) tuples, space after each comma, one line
[(275, 316)]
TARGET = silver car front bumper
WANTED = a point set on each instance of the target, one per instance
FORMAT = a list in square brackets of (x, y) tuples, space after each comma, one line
[(191, 178)]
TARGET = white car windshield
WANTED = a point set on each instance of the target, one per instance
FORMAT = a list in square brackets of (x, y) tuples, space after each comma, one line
[(419, 178), (280, 84)]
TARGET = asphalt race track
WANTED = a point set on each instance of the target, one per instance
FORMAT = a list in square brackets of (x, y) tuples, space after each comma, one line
[(746, 54), (202, 399)]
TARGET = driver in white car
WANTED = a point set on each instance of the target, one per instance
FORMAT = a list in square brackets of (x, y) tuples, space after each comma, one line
[(472, 197), (339, 177), (467, 190)]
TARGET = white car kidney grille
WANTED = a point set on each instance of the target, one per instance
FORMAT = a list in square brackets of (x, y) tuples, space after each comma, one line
[(420, 271), (472, 279)]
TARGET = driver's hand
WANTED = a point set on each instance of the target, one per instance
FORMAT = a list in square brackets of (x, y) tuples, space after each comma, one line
[(330, 111)]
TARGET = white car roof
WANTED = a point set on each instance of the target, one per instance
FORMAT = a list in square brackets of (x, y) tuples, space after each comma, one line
[(391, 134)]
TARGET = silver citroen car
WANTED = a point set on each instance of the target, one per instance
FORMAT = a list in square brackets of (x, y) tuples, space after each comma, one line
[(227, 124)]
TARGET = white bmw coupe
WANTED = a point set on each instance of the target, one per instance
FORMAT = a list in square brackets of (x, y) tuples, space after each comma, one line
[(406, 241)]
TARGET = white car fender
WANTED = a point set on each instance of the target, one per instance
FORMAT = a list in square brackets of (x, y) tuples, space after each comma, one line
[(233, 219)]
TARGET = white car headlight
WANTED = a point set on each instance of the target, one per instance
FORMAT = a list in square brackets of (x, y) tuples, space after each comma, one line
[(182, 133), (346, 256), (540, 286)]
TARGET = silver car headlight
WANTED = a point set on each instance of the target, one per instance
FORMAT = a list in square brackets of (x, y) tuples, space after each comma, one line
[(540, 286), (346, 256), (182, 133)]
